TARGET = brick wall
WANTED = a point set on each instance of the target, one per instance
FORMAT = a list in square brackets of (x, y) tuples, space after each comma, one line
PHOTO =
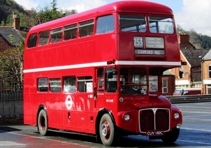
[(3, 44), (186, 72)]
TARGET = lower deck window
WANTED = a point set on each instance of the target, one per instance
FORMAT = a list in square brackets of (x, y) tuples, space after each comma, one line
[(55, 85), (85, 84), (42, 84), (69, 84)]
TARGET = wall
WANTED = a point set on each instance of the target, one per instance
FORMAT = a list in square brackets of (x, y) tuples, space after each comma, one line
[(205, 77), (3, 44), (11, 107), (185, 81)]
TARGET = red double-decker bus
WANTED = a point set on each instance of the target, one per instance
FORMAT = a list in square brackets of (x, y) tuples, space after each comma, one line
[(100, 72)]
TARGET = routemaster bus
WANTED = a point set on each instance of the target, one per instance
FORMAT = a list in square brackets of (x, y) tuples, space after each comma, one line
[(99, 73)]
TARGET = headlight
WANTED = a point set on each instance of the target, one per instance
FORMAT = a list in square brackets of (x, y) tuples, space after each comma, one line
[(154, 42), (126, 117), (176, 115)]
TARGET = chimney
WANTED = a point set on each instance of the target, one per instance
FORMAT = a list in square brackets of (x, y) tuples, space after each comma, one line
[(184, 38), (16, 21)]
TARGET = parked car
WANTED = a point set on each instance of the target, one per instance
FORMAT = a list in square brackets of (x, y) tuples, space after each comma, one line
[(187, 91)]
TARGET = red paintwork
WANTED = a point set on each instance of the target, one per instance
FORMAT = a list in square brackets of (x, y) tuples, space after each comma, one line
[(95, 48)]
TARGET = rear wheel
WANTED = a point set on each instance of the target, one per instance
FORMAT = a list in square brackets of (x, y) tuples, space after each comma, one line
[(106, 130), (42, 123), (171, 136)]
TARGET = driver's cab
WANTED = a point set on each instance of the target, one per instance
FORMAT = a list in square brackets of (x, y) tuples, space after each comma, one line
[(132, 80)]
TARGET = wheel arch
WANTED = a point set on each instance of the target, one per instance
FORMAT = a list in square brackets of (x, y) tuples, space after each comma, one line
[(99, 115), (41, 107)]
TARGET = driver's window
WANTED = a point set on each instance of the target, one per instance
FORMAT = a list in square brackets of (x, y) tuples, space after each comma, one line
[(111, 80), (133, 81)]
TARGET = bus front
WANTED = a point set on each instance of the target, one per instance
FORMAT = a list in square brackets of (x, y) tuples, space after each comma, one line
[(147, 46)]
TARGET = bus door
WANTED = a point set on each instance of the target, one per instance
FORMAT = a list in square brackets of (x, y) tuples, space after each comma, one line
[(106, 86), (80, 115), (99, 91)]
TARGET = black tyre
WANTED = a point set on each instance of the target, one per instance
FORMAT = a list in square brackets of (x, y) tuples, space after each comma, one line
[(42, 123), (106, 130), (172, 136)]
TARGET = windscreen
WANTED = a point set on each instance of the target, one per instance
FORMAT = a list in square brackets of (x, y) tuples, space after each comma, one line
[(132, 23), (161, 25)]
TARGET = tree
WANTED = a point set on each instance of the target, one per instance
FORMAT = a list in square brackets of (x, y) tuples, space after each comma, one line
[(50, 13), (11, 65), (30, 18)]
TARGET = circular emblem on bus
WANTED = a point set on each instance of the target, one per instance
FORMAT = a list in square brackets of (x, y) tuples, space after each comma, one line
[(69, 102)]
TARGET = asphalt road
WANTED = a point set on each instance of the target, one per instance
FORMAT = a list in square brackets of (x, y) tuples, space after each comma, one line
[(195, 132)]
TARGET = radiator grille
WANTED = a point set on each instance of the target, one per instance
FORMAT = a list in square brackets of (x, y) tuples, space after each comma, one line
[(154, 119)]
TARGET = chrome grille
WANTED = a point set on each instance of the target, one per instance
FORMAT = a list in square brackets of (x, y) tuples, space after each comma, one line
[(154, 119)]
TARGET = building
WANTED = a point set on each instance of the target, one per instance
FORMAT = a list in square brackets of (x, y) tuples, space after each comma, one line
[(10, 35), (206, 73), (190, 74), (184, 41)]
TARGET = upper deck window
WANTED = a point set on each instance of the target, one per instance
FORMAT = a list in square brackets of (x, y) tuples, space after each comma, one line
[(56, 35), (32, 40), (43, 38), (161, 25), (86, 28), (132, 23), (105, 24), (70, 32)]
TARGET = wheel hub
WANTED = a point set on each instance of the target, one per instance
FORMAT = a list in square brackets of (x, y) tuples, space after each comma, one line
[(105, 130)]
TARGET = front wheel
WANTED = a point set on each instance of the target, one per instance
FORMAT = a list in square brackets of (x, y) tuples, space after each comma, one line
[(42, 123), (171, 136), (106, 130)]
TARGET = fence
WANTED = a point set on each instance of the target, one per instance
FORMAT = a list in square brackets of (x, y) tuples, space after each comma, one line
[(11, 106), (189, 98)]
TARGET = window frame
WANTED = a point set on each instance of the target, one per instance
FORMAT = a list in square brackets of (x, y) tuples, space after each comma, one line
[(129, 18), (46, 84), (52, 82), (209, 71), (46, 38), (164, 87), (86, 28), (56, 35), (69, 84), (106, 27), (29, 40), (88, 84), (158, 23), (70, 28)]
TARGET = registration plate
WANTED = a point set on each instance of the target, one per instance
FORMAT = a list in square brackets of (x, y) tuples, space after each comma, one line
[(154, 133)]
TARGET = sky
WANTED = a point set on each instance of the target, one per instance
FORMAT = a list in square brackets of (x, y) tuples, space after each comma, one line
[(189, 14)]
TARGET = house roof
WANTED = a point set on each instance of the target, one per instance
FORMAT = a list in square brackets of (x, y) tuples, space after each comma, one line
[(6, 32), (194, 56), (207, 56)]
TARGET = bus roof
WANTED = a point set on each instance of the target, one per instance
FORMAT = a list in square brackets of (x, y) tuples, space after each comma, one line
[(120, 6)]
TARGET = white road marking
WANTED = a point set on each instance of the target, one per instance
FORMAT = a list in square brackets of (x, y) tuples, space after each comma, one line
[(10, 143), (193, 129), (204, 143)]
